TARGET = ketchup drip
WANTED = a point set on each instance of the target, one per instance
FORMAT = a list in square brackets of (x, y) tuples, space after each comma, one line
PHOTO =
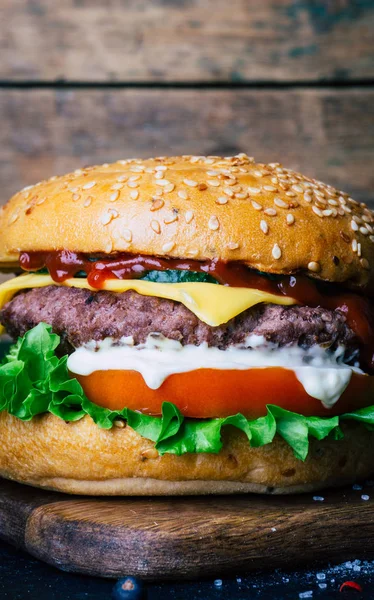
[(358, 310)]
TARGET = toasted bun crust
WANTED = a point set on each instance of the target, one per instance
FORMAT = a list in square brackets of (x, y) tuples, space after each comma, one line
[(81, 458), (270, 217)]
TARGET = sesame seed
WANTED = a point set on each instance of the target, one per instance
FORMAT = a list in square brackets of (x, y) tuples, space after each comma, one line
[(169, 188), (281, 203), (297, 188), (229, 192), (358, 249), (222, 200), (116, 186), (132, 184), (213, 183), (264, 227), (134, 178), (155, 225), (127, 235), (354, 226), (75, 197), (183, 194), (87, 201), (254, 190), (88, 185), (202, 186), (364, 231), (134, 194), (122, 178), (233, 245), (160, 168), (106, 218), (256, 205), (276, 252), (168, 246), (108, 247), (163, 182), (113, 197), (257, 173), (317, 211), (189, 216), (354, 245), (290, 219), (271, 212), (13, 218), (159, 175), (157, 204), (241, 195), (173, 217), (270, 188), (327, 212), (314, 266), (190, 182), (72, 190), (308, 197), (333, 202), (213, 223), (290, 194), (40, 201), (212, 173), (365, 263)]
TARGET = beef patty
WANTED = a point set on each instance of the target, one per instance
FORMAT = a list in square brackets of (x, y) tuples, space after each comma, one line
[(79, 316)]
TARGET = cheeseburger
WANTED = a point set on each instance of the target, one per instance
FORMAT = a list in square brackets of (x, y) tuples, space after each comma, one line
[(186, 325)]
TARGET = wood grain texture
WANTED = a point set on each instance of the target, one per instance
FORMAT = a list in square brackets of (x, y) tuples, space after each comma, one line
[(173, 40), (326, 134), (186, 537)]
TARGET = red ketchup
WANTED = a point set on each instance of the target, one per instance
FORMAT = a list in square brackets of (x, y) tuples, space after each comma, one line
[(357, 309)]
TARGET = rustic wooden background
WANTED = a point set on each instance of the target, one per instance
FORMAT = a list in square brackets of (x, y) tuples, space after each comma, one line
[(88, 81)]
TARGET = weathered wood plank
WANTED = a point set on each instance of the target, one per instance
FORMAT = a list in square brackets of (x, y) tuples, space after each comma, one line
[(173, 40), (323, 133)]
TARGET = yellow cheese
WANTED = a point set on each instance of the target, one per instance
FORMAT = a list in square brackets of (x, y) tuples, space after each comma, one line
[(211, 303)]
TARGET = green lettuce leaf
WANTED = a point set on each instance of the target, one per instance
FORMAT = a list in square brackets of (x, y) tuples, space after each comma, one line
[(33, 381)]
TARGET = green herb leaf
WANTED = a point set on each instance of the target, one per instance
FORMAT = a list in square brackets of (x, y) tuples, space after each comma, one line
[(33, 380)]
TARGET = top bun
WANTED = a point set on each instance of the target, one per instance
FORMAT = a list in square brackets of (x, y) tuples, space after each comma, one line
[(272, 218)]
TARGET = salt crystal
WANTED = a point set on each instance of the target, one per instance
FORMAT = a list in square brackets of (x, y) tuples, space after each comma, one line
[(365, 497), (321, 576), (318, 498), (308, 594), (239, 579), (218, 582), (273, 528), (322, 586)]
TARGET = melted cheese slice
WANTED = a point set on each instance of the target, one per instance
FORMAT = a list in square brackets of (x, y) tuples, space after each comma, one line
[(211, 303)]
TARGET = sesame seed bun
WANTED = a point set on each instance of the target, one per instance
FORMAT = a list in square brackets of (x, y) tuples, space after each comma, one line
[(81, 458), (273, 219)]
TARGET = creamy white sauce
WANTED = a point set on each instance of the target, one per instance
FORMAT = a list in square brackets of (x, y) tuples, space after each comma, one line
[(322, 374)]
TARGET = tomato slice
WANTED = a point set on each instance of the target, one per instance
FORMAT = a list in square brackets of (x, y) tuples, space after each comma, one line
[(208, 393)]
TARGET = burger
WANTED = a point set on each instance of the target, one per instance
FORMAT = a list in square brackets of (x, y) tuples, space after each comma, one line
[(186, 325)]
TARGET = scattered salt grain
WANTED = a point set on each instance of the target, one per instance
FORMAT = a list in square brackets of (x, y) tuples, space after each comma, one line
[(308, 594), (218, 582), (318, 498), (273, 528), (365, 497), (238, 579), (321, 576), (356, 487), (322, 586)]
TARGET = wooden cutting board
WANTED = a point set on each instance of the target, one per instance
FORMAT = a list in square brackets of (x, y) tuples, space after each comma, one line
[(175, 538)]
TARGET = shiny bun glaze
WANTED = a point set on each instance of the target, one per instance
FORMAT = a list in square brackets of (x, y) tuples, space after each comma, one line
[(232, 209), (81, 458)]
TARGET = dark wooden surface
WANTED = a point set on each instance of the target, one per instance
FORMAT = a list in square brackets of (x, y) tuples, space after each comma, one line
[(187, 40), (325, 133), (158, 538)]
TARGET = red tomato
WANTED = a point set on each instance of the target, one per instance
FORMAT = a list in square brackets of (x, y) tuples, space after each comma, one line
[(208, 393)]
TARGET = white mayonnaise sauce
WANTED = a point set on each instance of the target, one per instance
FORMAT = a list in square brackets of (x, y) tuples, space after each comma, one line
[(322, 374)]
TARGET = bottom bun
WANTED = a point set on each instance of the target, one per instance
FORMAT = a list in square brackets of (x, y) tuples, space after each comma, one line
[(81, 458)]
